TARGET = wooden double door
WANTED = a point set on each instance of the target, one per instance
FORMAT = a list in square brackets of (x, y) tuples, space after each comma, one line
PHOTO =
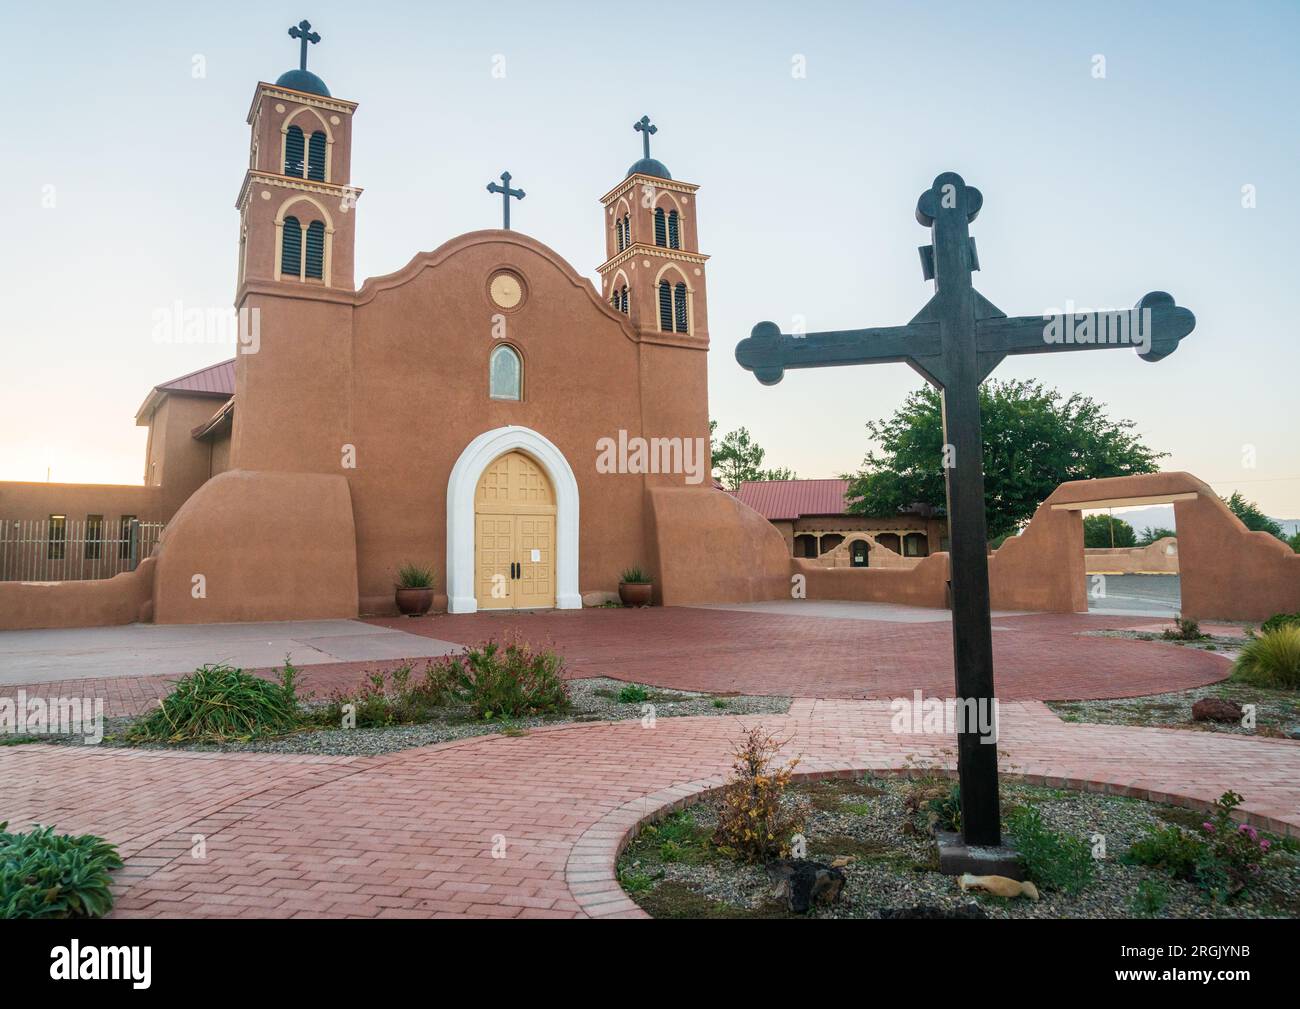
[(514, 535)]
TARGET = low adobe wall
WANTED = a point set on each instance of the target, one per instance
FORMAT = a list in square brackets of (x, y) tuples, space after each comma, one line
[(1158, 558), (878, 555), (122, 599), (267, 545)]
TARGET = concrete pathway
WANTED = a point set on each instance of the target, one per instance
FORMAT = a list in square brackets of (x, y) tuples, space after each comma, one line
[(30, 657), (529, 826)]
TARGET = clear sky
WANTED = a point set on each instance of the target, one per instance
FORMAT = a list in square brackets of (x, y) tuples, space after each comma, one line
[(1096, 189)]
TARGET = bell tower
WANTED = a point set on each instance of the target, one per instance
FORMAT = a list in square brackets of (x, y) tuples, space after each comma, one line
[(653, 271), (297, 206)]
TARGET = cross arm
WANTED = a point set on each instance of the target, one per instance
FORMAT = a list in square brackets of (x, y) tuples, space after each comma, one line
[(1154, 328), (767, 352)]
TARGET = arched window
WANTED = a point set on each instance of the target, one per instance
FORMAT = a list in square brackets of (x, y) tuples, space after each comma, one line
[(674, 230), (294, 152), (680, 319), (622, 304), (291, 248), (315, 156), (620, 233), (627, 229), (315, 250), (505, 373), (665, 306), (661, 229)]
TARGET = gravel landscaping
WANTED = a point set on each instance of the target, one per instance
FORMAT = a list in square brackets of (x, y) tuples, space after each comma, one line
[(1277, 712), (592, 700), (672, 870)]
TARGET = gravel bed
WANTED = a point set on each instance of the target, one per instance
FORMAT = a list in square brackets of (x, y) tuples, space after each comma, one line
[(593, 700), (1277, 712), (864, 819), (1226, 645)]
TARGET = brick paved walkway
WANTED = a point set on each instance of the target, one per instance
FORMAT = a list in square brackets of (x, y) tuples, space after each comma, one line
[(412, 833)]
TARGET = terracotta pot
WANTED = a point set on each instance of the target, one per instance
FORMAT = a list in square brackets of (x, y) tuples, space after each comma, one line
[(414, 602), (636, 593)]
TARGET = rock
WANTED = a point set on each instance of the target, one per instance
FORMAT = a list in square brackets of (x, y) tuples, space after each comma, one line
[(842, 861), (930, 912), (801, 882), (1216, 709)]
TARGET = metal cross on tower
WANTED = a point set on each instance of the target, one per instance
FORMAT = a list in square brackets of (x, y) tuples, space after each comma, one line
[(955, 341), (644, 127), (506, 192), (303, 31)]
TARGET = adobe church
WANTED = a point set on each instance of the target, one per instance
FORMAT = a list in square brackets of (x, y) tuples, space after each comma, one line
[(486, 412)]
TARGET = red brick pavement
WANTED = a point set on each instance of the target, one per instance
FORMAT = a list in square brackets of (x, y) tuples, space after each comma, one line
[(1038, 657), (413, 833)]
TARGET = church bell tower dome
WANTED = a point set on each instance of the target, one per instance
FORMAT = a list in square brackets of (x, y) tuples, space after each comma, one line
[(303, 79)]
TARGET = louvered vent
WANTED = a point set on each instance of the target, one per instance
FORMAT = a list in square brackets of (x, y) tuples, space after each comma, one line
[(291, 248), (293, 152), (665, 306), (316, 157), (623, 301), (315, 249), (674, 231), (661, 232), (679, 308)]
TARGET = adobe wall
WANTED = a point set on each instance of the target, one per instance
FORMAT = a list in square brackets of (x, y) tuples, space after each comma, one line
[(1042, 568), (269, 546), (21, 500), (122, 599), (878, 555), (1158, 558)]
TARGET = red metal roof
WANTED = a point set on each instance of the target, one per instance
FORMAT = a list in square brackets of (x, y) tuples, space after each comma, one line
[(789, 499), (217, 379)]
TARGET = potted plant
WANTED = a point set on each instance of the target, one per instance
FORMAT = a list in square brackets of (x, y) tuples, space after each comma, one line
[(414, 590), (635, 588)]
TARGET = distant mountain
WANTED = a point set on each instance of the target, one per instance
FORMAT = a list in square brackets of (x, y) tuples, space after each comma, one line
[(1162, 516)]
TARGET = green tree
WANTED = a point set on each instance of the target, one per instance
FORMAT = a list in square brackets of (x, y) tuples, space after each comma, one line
[(1250, 515), (1034, 440), (1149, 535), (1098, 530), (739, 458)]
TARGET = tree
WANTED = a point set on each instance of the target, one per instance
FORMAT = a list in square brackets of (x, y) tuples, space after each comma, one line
[(1149, 535), (739, 459), (1250, 515), (1098, 530), (1034, 440)]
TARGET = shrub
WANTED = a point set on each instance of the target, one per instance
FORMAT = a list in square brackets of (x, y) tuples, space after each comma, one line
[(634, 576), (633, 693), (413, 576), (390, 697), (508, 681), (1224, 859), (1053, 861), (754, 825), (1280, 620), (1150, 899), (944, 812), (1184, 629), (1271, 660), (218, 702), (48, 875)]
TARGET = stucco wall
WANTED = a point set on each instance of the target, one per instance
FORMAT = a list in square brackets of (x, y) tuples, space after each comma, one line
[(1158, 558), (122, 599), (269, 546)]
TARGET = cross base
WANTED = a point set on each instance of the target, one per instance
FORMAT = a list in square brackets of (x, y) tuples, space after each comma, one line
[(957, 857)]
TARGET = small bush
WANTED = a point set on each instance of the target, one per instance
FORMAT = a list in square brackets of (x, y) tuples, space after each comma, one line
[(48, 875), (633, 694), (1184, 629), (634, 576), (1271, 660), (1150, 899), (1169, 849), (390, 697), (754, 824), (1280, 620), (1053, 861), (219, 702), (414, 576), (508, 681), (944, 812)]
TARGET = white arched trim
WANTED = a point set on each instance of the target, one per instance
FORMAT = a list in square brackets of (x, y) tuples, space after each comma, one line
[(461, 487)]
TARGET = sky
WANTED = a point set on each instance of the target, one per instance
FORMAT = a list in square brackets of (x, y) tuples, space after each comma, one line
[(1111, 142)]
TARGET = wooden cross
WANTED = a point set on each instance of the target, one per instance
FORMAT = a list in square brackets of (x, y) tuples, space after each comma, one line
[(303, 31), (506, 192), (955, 341), (644, 127)]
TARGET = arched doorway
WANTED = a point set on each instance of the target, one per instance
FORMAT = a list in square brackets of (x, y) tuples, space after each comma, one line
[(859, 555), (462, 493), (514, 535)]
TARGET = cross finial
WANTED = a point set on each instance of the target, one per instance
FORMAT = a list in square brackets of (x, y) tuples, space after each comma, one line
[(645, 128), (506, 192), (302, 30)]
